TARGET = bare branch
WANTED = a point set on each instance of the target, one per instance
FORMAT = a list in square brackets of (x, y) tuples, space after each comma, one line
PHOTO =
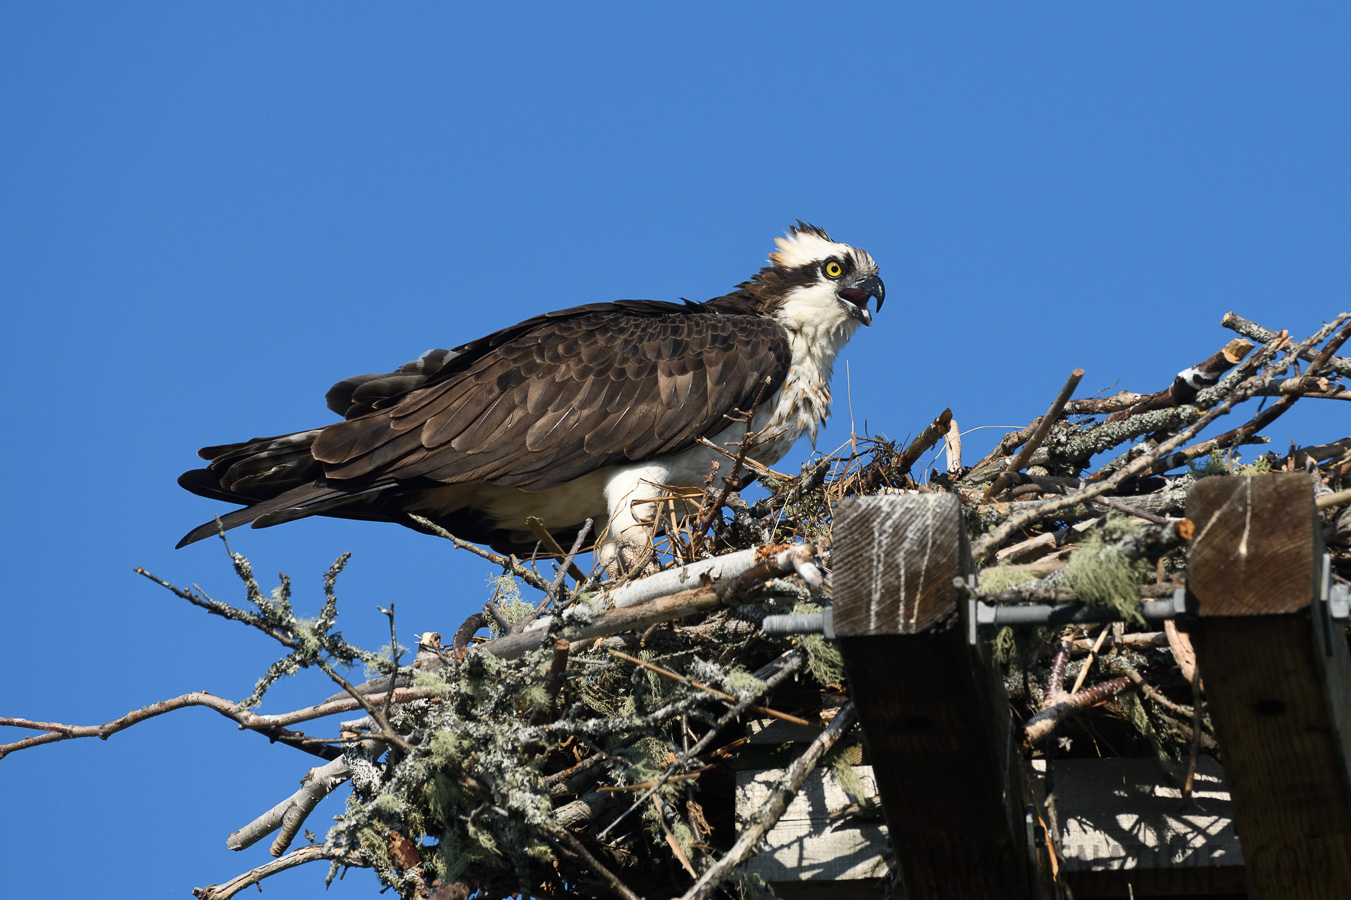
[(564, 837), (768, 815), (775, 674), (536, 526), (289, 861), (551, 596), (676, 676), (1249, 329), (510, 565), (1042, 511), (266, 725), (1043, 428), (387, 732), (932, 434), (290, 814)]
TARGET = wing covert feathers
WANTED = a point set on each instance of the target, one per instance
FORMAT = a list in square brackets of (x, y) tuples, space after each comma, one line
[(537, 406)]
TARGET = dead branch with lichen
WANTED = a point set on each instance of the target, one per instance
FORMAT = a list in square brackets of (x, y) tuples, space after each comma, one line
[(587, 745)]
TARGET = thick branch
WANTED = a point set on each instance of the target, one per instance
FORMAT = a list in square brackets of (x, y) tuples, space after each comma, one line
[(1044, 722), (290, 814), (1038, 435), (710, 571), (931, 435), (1262, 335), (1189, 382), (787, 561)]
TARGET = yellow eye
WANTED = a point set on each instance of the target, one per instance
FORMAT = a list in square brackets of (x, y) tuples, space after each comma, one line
[(833, 269)]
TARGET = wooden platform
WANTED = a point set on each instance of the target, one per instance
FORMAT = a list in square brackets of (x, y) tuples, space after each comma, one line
[(1125, 833), (949, 762)]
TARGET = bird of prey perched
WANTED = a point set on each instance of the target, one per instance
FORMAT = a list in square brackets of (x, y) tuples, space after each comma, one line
[(589, 412)]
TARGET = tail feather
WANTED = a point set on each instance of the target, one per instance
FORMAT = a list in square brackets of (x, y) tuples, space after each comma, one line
[(343, 502), (255, 469), (230, 520), (298, 503), (278, 480)]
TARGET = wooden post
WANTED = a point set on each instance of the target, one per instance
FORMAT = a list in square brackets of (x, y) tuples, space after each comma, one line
[(936, 721), (1277, 680)]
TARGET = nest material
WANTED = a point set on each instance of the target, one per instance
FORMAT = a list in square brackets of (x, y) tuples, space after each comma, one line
[(576, 753), (505, 736)]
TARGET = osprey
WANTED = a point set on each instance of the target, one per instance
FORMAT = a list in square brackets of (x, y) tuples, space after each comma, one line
[(591, 412)]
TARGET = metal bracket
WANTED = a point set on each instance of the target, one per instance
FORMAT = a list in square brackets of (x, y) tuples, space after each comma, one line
[(822, 623), (1339, 602), (981, 613), (1333, 600)]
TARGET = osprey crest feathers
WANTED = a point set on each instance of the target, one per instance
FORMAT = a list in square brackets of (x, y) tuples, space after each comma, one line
[(589, 412)]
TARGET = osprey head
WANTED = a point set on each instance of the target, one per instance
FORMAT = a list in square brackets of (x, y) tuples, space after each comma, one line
[(814, 283)]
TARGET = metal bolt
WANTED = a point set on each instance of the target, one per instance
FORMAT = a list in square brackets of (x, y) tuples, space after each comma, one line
[(808, 623)]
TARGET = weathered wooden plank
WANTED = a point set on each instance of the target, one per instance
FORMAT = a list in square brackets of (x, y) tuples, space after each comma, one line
[(894, 560), (1125, 831), (808, 845), (936, 722), (1255, 548), (1277, 684)]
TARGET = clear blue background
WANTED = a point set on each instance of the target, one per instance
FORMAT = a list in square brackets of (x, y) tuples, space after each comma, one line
[(211, 212)]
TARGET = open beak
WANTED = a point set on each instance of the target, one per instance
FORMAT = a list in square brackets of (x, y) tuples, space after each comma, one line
[(856, 298)]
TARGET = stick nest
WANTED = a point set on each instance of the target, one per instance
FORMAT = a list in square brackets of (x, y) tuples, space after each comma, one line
[(583, 750)]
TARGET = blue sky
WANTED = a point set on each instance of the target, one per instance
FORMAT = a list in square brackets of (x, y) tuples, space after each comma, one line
[(209, 213)]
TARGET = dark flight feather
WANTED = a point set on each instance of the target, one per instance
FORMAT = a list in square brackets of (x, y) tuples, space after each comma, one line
[(533, 406)]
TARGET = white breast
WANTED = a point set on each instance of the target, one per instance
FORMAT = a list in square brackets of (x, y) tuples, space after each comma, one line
[(802, 404)]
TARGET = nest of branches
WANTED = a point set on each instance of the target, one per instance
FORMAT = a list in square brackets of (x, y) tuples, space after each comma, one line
[(587, 745)]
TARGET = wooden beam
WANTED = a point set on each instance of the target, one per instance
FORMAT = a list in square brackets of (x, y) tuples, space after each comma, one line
[(936, 721), (1277, 679)]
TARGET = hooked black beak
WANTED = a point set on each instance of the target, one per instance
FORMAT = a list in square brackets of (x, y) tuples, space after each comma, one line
[(856, 298)]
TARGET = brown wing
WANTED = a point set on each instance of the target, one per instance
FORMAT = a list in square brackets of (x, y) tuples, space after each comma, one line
[(362, 394), (561, 395)]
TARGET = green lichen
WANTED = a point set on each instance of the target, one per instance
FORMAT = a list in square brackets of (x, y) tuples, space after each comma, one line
[(1016, 647), (506, 593), (824, 661), (1101, 575), (1004, 646), (742, 683), (846, 775), (992, 581), (1214, 463), (1259, 466), (381, 662)]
